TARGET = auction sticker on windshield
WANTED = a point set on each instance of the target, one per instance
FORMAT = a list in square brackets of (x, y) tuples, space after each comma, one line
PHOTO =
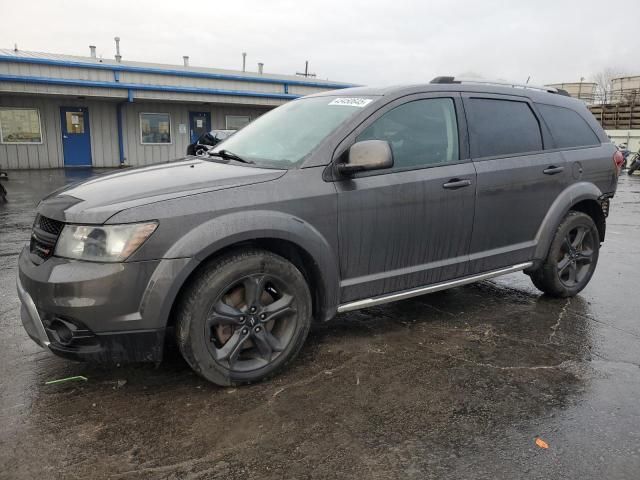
[(351, 102)]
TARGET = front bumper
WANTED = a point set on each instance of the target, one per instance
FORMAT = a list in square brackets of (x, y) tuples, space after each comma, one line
[(31, 318), (105, 312)]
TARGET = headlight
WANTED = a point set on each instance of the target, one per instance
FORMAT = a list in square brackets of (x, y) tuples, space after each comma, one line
[(104, 243)]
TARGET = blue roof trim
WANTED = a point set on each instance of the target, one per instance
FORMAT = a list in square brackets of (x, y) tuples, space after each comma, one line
[(172, 72), (143, 86)]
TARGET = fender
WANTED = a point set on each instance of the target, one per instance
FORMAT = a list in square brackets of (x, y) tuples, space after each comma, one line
[(226, 230), (573, 194)]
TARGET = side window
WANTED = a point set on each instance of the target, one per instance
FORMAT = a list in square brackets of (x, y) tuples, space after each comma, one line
[(421, 133), (502, 127), (567, 127)]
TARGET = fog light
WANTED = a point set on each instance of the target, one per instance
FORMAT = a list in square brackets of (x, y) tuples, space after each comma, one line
[(64, 333)]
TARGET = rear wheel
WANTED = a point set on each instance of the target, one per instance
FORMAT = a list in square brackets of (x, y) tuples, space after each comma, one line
[(245, 317), (572, 257)]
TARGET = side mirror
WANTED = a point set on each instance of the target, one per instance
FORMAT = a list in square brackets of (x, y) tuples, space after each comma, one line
[(367, 155)]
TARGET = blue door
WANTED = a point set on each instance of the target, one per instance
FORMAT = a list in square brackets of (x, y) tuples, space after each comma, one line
[(76, 139), (199, 124)]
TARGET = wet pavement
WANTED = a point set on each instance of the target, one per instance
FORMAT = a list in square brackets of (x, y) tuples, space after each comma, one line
[(457, 384)]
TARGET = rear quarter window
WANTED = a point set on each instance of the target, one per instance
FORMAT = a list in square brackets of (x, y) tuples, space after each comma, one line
[(502, 127), (567, 127)]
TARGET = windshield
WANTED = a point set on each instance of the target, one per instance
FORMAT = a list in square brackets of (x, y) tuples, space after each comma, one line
[(283, 137)]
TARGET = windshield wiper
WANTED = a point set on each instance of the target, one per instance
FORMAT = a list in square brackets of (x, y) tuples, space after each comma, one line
[(227, 155)]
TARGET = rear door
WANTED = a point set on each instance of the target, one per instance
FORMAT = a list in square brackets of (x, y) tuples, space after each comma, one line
[(517, 180), (410, 225)]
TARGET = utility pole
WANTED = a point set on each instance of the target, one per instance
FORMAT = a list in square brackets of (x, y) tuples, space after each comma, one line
[(306, 70)]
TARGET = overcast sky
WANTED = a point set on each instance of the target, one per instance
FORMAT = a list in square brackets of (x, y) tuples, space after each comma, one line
[(366, 42)]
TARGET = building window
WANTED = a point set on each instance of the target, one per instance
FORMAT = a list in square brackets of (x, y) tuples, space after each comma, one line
[(155, 128), (75, 122), (20, 125), (236, 122)]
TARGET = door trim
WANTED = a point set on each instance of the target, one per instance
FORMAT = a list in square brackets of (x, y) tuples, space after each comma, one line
[(398, 272), (414, 292)]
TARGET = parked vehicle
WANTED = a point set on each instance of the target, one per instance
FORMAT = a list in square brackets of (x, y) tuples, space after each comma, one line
[(634, 163), (330, 203), (208, 140), (625, 154), (3, 191)]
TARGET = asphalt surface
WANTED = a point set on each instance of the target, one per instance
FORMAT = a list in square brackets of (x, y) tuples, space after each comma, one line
[(457, 384)]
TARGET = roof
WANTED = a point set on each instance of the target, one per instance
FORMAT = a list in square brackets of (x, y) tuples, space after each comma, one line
[(23, 56), (488, 88)]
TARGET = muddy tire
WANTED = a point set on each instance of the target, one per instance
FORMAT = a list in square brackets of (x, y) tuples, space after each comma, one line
[(572, 257), (244, 317)]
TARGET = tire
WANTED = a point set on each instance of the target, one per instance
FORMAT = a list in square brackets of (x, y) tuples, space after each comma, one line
[(632, 168), (572, 257), (219, 334)]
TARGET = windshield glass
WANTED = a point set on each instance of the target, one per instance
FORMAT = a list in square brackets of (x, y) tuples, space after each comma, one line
[(282, 137)]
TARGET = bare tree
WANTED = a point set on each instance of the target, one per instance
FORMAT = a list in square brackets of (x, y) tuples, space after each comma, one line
[(603, 81)]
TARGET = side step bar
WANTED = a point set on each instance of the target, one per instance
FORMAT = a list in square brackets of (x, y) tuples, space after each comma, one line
[(414, 292)]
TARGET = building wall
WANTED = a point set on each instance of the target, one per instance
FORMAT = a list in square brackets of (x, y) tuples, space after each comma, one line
[(138, 154), (49, 154), (630, 137), (104, 134)]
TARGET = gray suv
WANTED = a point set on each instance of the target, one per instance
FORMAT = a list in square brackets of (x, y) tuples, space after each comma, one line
[(330, 203)]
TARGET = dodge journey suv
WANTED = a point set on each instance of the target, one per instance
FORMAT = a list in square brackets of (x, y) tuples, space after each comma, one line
[(330, 203)]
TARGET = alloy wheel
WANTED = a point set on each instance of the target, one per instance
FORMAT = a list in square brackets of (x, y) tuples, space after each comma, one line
[(251, 323), (576, 256)]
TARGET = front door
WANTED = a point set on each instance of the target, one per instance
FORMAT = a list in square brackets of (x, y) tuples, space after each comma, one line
[(76, 138), (199, 124), (410, 225)]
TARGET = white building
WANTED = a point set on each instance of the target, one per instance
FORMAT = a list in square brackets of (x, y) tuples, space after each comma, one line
[(63, 111)]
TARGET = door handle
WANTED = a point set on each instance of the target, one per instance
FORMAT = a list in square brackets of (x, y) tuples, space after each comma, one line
[(552, 170), (456, 183)]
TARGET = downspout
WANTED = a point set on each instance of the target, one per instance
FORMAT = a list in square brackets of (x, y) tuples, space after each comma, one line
[(123, 160)]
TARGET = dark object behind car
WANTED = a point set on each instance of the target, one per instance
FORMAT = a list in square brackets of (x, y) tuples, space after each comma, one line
[(330, 203), (208, 140)]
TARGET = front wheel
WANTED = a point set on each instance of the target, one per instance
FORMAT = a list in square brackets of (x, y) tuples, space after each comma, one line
[(633, 168), (572, 257), (244, 317)]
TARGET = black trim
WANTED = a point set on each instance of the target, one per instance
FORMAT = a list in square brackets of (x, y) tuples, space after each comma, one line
[(116, 347)]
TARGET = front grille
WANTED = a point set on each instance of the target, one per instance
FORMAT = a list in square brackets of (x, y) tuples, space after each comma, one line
[(44, 236), (49, 225)]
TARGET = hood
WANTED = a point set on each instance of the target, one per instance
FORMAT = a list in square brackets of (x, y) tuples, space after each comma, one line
[(98, 198)]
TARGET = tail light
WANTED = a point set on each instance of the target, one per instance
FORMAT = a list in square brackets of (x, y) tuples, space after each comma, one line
[(618, 160)]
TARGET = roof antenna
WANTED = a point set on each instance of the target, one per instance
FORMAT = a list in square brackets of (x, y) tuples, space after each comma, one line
[(528, 78), (118, 56), (15, 47), (306, 71)]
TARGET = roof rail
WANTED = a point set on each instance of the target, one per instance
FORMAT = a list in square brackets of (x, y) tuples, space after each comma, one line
[(445, 79)]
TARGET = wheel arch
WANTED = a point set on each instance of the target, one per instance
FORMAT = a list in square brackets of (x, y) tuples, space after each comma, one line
[(284, 235), (582, 197)]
